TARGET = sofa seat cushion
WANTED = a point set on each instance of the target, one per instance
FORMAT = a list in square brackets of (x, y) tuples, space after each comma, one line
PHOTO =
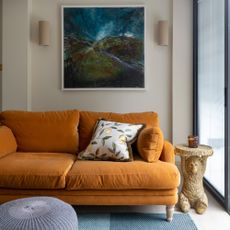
[(54, 131), (138, 174), (35, 170)]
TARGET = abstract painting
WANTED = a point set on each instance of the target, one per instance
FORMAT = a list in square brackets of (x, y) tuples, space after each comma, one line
[(103, 47)]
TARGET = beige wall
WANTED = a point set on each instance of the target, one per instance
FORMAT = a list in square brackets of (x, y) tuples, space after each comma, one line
[(46, 63), (43, 74), (16, 55), (182, 70)]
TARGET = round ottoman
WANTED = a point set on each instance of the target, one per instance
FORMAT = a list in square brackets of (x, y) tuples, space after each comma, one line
[(37, 213)]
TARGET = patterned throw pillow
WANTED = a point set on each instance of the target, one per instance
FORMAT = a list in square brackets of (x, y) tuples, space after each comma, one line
[(111, 141)]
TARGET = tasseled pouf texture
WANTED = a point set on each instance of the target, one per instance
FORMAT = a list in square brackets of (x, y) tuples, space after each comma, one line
[(37, 213)]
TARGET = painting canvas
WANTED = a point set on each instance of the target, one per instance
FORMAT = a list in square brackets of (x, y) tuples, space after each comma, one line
[(103, 47)]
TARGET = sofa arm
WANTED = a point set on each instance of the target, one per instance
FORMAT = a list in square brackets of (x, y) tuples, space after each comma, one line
[(8, 142), (168, 153)]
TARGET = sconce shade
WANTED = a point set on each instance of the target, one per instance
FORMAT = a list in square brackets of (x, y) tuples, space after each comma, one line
[(163, 31), (44, 33)]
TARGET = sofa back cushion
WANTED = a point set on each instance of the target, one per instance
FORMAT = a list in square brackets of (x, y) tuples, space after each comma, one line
[(89, 119), (7, 141), (44, 131)]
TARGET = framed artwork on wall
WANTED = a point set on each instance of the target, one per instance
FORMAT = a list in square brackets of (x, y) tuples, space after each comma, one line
[(103, 47)]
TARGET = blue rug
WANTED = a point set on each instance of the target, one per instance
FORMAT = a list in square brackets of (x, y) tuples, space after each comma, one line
[(134, 221)]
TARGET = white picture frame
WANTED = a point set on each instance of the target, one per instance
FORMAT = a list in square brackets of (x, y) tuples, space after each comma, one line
[(92, 60)]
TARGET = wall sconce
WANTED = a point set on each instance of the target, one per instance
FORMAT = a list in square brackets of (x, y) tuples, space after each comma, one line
[(163, 31), (44, 33)]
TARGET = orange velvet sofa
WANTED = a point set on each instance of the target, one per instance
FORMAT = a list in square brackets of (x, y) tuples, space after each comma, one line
[(38, 157)]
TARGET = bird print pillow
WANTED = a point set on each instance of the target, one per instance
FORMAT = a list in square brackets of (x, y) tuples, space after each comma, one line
[(111, 141)]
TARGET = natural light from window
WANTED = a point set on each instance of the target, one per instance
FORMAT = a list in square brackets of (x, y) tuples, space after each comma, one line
[(211, 86)]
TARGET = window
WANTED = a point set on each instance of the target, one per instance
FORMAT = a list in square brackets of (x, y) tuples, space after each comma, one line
[(210, 87)]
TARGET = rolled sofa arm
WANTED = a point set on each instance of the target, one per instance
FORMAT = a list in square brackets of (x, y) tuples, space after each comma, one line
[(168, 153), (8, 142)]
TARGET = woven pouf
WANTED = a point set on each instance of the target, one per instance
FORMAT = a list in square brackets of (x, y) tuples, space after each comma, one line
[(37, 213)]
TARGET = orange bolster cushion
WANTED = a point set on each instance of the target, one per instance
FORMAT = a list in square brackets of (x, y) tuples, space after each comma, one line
[(7, 141), (150, 143)]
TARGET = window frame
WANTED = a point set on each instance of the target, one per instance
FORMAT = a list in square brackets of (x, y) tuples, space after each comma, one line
[(223, 200)]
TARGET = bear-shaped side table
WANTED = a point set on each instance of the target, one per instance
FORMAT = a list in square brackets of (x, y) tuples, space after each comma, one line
[(193, 165)]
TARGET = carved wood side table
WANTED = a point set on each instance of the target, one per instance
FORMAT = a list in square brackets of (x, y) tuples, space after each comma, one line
[(193, 165)]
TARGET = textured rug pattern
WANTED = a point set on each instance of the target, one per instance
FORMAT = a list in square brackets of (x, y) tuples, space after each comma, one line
[(134, 221)]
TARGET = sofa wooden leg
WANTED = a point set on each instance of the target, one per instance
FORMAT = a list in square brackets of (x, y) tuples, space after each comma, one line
[(169, 212)]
